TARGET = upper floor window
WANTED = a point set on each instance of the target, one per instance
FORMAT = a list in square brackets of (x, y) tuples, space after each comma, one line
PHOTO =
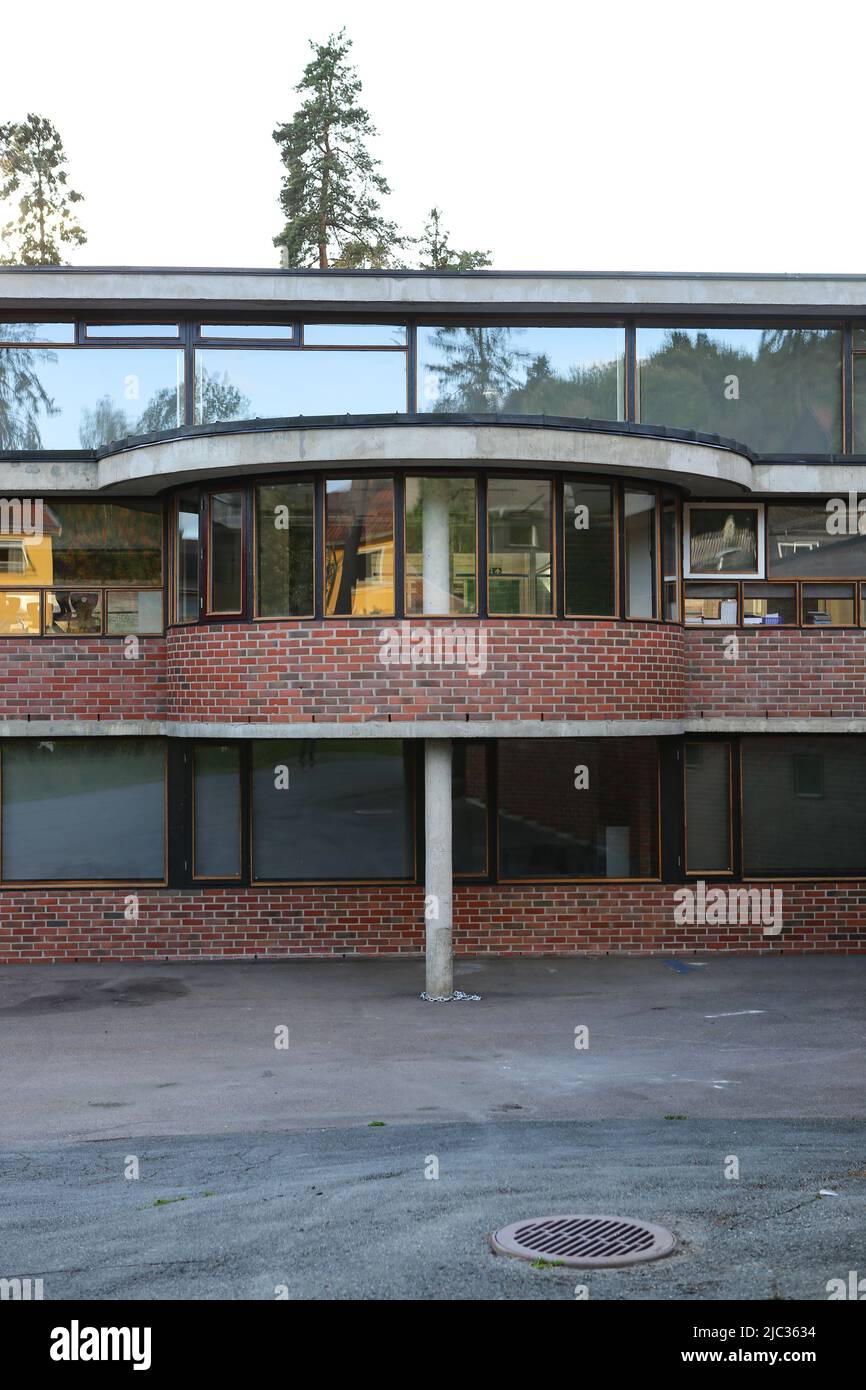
[(520, 546), (441, 542), (359, 547)]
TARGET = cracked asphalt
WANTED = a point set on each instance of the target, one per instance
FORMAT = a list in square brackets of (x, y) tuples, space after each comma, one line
[(156, 1141)]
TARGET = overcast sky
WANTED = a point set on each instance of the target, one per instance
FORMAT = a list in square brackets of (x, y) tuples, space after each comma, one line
[(611, 136)]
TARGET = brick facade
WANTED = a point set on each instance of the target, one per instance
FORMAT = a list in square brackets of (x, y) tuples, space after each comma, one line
[(82, 678)]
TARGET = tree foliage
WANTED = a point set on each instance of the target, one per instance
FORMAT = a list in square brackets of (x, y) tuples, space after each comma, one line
[(435, 253), (33, 170)]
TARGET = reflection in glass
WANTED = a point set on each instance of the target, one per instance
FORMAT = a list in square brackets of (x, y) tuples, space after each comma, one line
[(708, 807), (81, 809), (225, 551), (590, 583), (359, 546), (778, 390), (261, 331), (440, 545), (520, 559), (284, 550), (785, 830), (217, 815), (246, 383), (19, 612), (186, 598), (860, 404), (342, 809), (469, 807), (133, 611), (73, 612), (37, 332), (640, 554), (131, 330), (354, 335), (608, 828), (805, 541), (671, 558), (828, 605), (769, 605), (522, 371), (723, 540)]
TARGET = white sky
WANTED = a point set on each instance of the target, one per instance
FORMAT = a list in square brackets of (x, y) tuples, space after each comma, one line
[(622, 135)]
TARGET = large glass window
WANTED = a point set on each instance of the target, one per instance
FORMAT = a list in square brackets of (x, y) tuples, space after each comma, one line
[(590, 549), (246, 383), (359, 547), (640, 554), (186, 596), (331, 809), (83, 398), (225, 552), (804, 817), (806, 541), (285, 521), (708, 808), (217, 811), (522, 371), (440, 545), (83, 809), (520, 546), (469, 808), (778, 390), (578, 808)]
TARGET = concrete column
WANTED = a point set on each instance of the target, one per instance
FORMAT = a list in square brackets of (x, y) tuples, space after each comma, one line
[(435, 546), (437, 887)]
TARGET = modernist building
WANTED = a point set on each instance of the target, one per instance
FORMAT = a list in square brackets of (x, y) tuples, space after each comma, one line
[(336, 607)]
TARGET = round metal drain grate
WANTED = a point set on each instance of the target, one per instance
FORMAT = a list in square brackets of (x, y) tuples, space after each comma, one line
[(586, 1242)]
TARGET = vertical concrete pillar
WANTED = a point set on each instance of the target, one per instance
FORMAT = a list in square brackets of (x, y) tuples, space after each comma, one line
[(437, 888), (435, 546)]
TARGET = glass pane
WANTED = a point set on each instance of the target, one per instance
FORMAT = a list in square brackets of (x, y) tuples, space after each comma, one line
[(520, 560), (860, 404), (723, 540), (708, 808), (640, 554), (769, 605), (37, 332), (19, 612), (73, 612), (359, 547), (104, 542), (469, 807), (133, 611), (331, 809), (590, 585), (226, 551), (284, 549), (804, 821), (711, 603), (83, 809), (261, 331), (828, 605), (522, 371), (354, 335), (778, 390), (808, 541), (186, 599), (578, 808), (440, 545), (245, 384), (671, 560), (83, 398), (131, 330), (217, 819)]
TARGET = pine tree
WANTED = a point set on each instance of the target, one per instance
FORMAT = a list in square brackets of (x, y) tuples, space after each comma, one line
[(332, 184), (33, 166), (436, 254)]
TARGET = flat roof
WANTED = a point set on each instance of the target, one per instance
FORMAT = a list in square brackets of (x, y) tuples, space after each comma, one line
[(155, 288)]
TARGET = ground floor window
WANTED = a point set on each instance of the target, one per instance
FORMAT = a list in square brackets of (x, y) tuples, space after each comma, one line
[(804, 805)]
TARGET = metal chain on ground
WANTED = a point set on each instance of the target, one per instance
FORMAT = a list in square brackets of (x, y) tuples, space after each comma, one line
[(454, 998)]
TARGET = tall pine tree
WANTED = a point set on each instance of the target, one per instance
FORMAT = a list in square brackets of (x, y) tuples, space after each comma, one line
[(33, 167), (332, 186)]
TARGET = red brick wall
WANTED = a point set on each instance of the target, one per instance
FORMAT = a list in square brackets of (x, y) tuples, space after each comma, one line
[(88, 924), (776, 673), (81, 678), (284, 672)]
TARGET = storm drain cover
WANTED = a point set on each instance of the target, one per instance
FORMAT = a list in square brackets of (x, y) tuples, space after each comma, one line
[(587, 1242)]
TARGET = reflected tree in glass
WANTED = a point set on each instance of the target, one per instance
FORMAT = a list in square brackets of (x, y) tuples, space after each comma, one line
[(476, 370), (22, 395)]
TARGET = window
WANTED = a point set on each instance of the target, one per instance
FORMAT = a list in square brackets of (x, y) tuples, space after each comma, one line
[(522, 371), (725, 539), (469, 808), (769, 605), (712, 605), (520, 547), (331, 809), (828, 605), (708, 808), (186, 596), (671, 558), (285, 546), (225, 552), (777, 390), (250, 383), (359, 547), (804, 806), (578, 808), (83, 809), (440, 545), (640, 554), (37, 332), (354, 335), (590, 549), (810, 542), (216, 811), (261, 331), (130, 330)]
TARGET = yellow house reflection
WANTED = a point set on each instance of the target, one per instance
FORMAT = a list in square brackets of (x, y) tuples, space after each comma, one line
[(26, 563)]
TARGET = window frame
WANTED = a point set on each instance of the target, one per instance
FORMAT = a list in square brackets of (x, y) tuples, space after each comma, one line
[(720, 576)]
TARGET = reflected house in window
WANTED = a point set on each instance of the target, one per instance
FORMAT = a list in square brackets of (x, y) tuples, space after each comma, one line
[(359, 553)]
